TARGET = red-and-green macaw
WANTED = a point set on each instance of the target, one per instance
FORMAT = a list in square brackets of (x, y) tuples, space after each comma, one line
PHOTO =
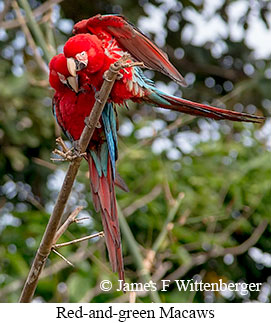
[(72, 103), (77, 78)]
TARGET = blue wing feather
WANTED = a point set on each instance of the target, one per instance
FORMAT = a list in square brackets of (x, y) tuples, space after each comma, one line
[(110, 128)]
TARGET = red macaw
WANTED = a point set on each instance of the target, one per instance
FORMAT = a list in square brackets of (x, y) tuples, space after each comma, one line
[(71, 105), (102, 40)]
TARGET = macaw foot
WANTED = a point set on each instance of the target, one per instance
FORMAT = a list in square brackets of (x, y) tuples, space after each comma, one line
[(125, 61), (66, 153)]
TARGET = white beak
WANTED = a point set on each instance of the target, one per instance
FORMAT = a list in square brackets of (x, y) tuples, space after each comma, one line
[(73, 83), (71, 66)]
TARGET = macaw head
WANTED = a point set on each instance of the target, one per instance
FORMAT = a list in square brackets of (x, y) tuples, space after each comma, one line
[(84, 51), (59, 76)]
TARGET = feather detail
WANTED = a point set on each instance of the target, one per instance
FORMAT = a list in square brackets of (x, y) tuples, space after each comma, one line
[(163, 100), (119, 181), (130, 39), (129, 86), (135, 89), (109, 122), (193, 108), (106, 200)]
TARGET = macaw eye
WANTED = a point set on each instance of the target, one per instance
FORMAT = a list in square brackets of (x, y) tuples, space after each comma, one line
[(83, 54)]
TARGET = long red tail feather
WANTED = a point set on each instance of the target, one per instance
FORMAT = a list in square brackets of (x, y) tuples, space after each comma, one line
[(198, 109), (104, 200)]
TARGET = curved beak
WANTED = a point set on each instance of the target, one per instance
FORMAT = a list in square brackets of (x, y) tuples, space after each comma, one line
[(71, 65), (73, 83), (75, 65)]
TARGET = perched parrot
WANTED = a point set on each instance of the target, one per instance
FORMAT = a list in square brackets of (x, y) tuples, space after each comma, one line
[(77, 78), (72, 103), (102, 40)]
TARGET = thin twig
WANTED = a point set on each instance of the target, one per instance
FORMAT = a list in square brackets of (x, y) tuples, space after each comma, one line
[(62, 257), (51, 229), (148, 261), (168, 195), (44, 163), (171, 214), (142, 201), (78, 256), (67, 223), (64, 244), (81, 219)]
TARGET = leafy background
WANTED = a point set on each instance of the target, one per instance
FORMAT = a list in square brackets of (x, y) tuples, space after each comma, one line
[(204, 184)]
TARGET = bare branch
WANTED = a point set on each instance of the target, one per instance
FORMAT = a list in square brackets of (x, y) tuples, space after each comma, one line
[(78, 256), (67, 223), (171, 214), (62, 257), (142, 201), (44, 163), (251, 241), (64, 244)]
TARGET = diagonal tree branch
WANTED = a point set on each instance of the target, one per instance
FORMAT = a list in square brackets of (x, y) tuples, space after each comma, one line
[(54, 221)]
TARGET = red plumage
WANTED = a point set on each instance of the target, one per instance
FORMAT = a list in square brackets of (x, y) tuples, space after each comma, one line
[(104, 200), (70, 110), (133, 85), (130, 39)]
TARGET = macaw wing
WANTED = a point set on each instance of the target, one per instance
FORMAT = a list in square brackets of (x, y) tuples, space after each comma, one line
[(58, 117), (132, 40)]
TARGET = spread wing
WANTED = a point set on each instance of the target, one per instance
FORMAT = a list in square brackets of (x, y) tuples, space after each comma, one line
[(132, 40)]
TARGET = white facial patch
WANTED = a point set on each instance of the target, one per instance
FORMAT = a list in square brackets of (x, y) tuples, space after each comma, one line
[(82, 57), (62, 78)]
